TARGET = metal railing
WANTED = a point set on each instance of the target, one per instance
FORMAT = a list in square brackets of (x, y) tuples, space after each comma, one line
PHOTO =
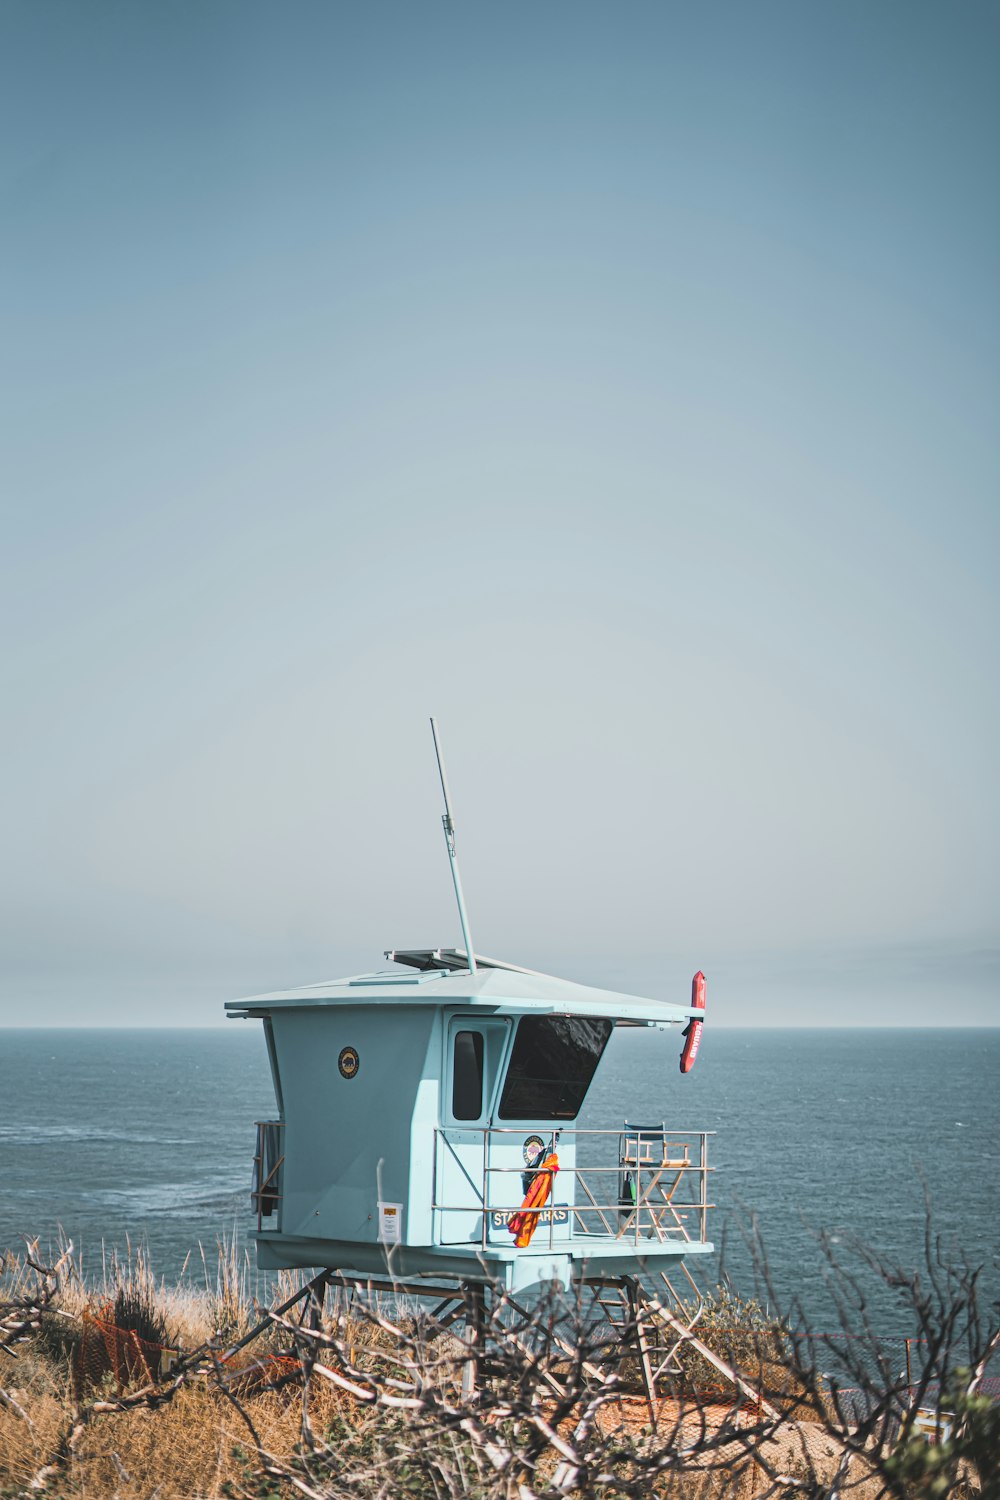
[(268, 1160), (655, 1192)]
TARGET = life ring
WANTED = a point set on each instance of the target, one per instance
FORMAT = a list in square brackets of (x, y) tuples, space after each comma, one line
[(524, 1223), (693, 1029)]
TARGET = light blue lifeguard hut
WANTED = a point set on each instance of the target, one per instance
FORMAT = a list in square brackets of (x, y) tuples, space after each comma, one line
[(417, 1105)]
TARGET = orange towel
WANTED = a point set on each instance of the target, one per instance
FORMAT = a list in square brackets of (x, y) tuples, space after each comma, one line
[(524, 1223)]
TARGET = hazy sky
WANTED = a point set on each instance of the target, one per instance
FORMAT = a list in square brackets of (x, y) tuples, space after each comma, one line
[(617, 382)]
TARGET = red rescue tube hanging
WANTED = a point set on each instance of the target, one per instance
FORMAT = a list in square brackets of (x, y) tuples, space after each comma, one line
[(524, 1223), (693, 1029)]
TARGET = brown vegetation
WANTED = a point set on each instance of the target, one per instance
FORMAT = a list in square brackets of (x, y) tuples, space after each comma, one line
[(131, 1390)]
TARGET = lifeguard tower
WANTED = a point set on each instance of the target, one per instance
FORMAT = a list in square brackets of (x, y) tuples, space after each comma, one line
[(427, 1129), (416, 1105)]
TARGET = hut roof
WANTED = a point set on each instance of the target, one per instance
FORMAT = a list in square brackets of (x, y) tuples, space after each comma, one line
[(500, 989)]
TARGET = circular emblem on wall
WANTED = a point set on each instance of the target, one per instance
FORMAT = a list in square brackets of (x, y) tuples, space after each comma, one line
[(533, 1150), (348, 1062)]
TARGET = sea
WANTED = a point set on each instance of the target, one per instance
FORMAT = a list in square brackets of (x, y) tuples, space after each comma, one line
[(828, 1145)]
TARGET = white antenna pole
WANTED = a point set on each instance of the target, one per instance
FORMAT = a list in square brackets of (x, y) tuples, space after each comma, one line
[(449, 838)]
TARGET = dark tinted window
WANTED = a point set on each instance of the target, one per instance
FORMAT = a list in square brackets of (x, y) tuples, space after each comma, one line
[(553, 1061), (467, 1079)]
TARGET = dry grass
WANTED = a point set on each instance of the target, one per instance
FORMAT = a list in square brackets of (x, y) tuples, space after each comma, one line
[(190, 1440), (195, 1446), (184, 1447), (185, 1450)]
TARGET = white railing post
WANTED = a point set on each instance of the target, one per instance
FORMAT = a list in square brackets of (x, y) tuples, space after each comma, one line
[(486, 1185)]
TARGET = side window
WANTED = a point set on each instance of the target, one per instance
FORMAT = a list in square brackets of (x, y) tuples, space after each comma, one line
[(551, 1066), (467, 1076)]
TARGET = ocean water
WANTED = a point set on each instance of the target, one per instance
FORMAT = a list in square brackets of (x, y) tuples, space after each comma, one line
[(148, 1135)]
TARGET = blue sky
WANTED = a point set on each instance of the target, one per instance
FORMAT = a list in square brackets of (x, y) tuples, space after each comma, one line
[(617, 383)]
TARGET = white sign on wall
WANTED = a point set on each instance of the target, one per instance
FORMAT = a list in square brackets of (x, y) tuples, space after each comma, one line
[(390, 1223)]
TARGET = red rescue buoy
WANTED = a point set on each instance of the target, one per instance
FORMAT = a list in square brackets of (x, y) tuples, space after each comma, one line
[(693, 1029)]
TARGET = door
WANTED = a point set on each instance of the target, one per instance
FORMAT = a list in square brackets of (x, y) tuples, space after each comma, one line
[(476, 1049)]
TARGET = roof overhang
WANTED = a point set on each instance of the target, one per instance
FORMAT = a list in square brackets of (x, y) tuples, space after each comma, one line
[(500, 989)]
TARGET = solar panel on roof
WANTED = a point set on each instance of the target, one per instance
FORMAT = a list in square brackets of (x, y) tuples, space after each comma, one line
[(450, 958)]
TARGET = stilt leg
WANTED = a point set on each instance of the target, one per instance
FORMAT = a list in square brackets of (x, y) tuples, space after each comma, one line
[(475, 1330), (635, 1308), (316, 1302)]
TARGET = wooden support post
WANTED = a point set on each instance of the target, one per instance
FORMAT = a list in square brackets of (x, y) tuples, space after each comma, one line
[(304, 1291), (687, 1337), (316, 1302), (475, 1332), (636, 1303)]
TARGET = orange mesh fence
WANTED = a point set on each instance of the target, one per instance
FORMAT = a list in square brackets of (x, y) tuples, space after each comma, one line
[(107, 1350)]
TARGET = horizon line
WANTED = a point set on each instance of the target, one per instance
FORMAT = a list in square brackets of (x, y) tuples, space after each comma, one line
[(950, 1025)]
